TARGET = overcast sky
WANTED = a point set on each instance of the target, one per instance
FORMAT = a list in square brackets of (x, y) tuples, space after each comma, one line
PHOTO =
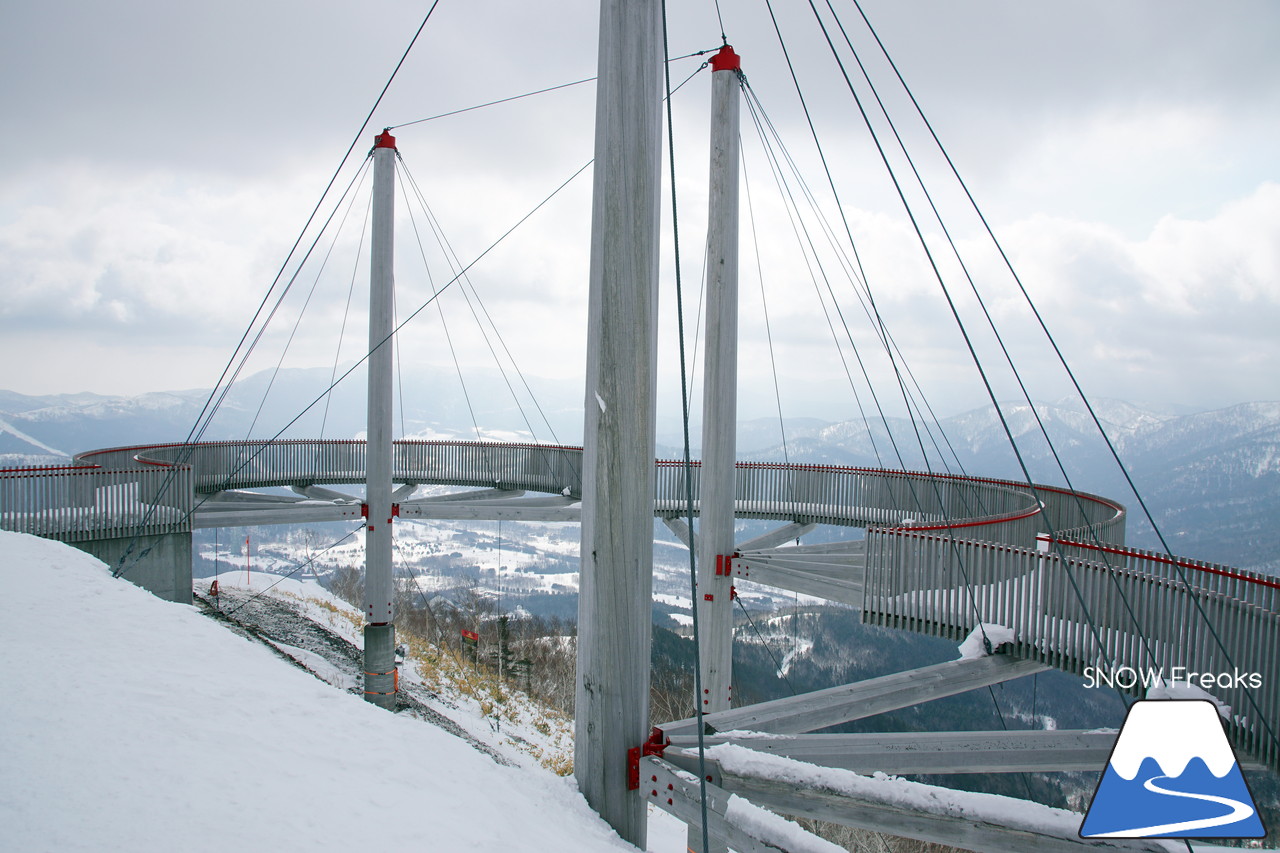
[(159, 159)]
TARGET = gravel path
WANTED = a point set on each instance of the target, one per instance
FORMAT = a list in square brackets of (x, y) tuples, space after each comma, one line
[(278, 624)]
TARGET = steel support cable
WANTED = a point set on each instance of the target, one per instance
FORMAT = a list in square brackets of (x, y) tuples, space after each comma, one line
[(977, 294), (304, 564), (364, 172), (455, 263), (793, 212), (1128, 606), (198, 429), (719, 17), (831, 181), (422, 252), (492, 103), (395, 318), (1182, 576), (346, 312), (808, 251), (407, 569), (860, 285), (311, 218), (813, 132), (451, 256), (525, 95), (937, 274), (885, 335), (768, 326), (972, 285), (688, 461), (776, 663), (1004, 726), (697, 323), (858, 276), (269, 442), (206, 412), (762, 121), (1013, 368), (253, 345)]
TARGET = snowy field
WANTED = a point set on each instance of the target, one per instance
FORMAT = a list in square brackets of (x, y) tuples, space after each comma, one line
[(136, 724)]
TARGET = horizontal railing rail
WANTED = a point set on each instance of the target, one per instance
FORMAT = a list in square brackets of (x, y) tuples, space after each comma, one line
[(1244, 584), (78, 504), (974, 507), (1126, 614)]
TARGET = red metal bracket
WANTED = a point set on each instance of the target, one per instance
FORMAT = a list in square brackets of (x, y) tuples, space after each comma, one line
[(656, 745)]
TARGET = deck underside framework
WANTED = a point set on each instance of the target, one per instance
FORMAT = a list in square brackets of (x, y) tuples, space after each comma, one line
[(1070, 607)]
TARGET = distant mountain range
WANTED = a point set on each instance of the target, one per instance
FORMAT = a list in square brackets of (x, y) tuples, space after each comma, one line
[(1211, 479)]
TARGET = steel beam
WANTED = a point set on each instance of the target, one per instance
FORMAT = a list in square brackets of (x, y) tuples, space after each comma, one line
[(320, 493), (925, 752), (517, 510), (252, 516), (821, 708), (774, 538), (674, 792), (807, 582), (680, 528), (997, 831)]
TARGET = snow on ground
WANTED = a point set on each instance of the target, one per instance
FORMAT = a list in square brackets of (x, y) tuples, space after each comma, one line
[(137, 724)]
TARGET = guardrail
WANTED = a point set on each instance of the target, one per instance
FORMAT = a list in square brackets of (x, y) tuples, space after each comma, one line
[(974, 507), (219, 466), (1125, 615), (79, 504)]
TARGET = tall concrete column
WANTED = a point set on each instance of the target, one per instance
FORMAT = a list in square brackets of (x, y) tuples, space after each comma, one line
[(720, 391), (379, 595), (616, 584)]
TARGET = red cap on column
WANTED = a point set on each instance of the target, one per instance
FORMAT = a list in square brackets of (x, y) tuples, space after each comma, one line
[(385, 140), (726, 60)]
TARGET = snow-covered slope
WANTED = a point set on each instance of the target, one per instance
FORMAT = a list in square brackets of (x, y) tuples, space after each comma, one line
[(135, 724)]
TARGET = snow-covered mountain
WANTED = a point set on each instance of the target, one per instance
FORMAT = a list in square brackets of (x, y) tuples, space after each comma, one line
[(1212, 479), (264, 404)]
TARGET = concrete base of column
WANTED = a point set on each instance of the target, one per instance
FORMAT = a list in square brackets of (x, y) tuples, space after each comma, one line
[(381, 680), (160, 564)]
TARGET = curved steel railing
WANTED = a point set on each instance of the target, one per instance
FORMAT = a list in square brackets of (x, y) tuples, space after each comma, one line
[(943, 552), (972, 507), (1088, 608)]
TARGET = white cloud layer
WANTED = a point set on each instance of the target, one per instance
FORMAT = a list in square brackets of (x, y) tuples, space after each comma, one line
[(166, 157)]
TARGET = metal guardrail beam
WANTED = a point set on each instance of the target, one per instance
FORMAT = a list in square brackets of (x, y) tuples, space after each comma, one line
[(924, 752), (675, 792), (997, 509), (821, 708), (995, 832)]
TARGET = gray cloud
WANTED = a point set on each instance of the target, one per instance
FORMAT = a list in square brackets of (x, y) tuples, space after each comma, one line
[(166, 155)]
